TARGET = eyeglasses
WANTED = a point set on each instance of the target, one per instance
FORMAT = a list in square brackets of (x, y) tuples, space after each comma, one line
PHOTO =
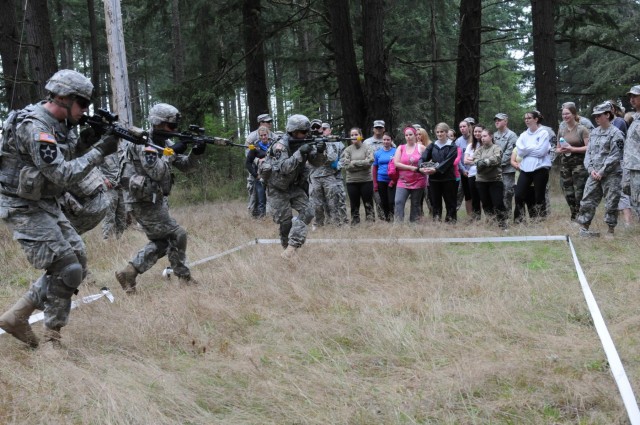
[(172, 125), (315, 127), (82, 102)]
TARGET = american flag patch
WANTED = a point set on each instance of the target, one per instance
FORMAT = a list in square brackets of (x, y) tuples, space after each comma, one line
[(150, 149), (44, 137)]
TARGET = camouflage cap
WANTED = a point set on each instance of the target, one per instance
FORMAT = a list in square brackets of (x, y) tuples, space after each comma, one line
[(163, 112), (500, 116), (378, 123), (568, 105), (264, 118), (298, 122), (470, 120), (601, 108), (68, 82), (326, 125), (635, 90), (416, 126)]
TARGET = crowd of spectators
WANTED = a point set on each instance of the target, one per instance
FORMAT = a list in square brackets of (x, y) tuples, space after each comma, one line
[(490, 169)]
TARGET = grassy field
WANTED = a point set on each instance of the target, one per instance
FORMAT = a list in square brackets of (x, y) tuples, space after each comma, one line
[(349, 333)]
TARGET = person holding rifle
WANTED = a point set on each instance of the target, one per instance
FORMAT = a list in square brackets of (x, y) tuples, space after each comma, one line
[(146, 180)]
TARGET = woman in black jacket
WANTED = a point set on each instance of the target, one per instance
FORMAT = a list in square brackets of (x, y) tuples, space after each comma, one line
[(442, 180)]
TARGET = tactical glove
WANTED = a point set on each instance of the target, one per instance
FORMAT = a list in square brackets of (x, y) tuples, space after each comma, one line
[(179, 147), (198, 149), (321, 146), (107, 145), (305, 149)]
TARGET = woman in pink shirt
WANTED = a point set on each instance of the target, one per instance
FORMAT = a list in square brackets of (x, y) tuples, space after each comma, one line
[(411, 182)]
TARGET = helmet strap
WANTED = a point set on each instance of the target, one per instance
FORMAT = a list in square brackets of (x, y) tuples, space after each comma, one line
[(66, 106)]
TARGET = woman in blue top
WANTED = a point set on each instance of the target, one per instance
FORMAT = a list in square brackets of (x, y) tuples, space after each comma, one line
[(381, 181)]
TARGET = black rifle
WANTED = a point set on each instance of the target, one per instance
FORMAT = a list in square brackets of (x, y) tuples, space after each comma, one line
[(195, 135), (294, 144), (103, 122)]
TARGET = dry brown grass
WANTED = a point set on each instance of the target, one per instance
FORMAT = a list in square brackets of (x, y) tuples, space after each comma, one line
[(346, 333)]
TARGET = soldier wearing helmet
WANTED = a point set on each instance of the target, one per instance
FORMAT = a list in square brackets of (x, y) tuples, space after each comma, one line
[(146, 179), (38, 145), (286, 174)]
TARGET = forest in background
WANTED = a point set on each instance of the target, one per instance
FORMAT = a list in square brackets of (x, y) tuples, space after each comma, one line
[(346, 62)]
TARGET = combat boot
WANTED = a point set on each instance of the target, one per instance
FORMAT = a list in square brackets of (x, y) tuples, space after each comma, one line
[(16, 322), (187, 281), (586, 233), (127, 278), (289, 252), (51, 337), (610, 233)]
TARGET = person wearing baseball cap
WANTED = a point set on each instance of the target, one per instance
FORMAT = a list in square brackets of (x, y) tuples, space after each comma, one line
[(584, 121), (506, 139), (326, 129), (375, 142), (264, 120), (602, 161)]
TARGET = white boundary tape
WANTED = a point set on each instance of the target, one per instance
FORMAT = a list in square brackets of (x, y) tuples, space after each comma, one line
[(617, 370), (104, 292)]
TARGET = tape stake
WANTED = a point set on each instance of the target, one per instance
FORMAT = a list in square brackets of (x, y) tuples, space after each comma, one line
[(617, 370)]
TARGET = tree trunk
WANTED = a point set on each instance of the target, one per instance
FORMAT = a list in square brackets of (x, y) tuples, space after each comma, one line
[(42, 58), (17, 88), (543, 14), (376, 65), (95, 58), (435, 52), (65, 44), (468, 62), (255, 74), (351, 96), (178, 48)]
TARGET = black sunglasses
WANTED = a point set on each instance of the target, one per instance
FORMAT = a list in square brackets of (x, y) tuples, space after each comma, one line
[(172, 125), (82, 102)]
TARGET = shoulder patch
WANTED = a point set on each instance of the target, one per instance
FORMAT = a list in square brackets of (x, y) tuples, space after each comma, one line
[(48, 152), (150, 157), (41, 136)]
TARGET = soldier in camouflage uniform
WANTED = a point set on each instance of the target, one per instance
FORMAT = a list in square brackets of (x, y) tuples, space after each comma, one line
[(285, 172), (33, 173), (115, 220), (506, 139), (632, 149), (574, 138), (146, 180), (326, 191), (602, 161)]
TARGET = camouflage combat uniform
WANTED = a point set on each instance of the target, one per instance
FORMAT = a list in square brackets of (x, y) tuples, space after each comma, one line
[(507, 141), (33, 173), (603, 155), (146, 180), (573, 174), (632, 159), (326, 191), (285, 175), (115, 220)]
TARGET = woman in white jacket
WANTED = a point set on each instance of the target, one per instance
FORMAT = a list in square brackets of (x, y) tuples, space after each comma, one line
[(533, 147)]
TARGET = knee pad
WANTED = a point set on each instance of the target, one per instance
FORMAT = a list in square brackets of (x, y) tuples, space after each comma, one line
[(65, 278)]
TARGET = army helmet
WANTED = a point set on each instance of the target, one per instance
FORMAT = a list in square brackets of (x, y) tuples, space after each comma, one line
[(163, 112), (298, 122), (68, 82)]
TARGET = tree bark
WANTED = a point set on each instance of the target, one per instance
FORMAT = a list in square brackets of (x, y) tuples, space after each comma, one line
[(351, 96), (95, 58), (178, 47), (17, 88), (435, 52), (42, 58), (65, 45), (543, 13), (376, 65), (468, 62), (255, 73)]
